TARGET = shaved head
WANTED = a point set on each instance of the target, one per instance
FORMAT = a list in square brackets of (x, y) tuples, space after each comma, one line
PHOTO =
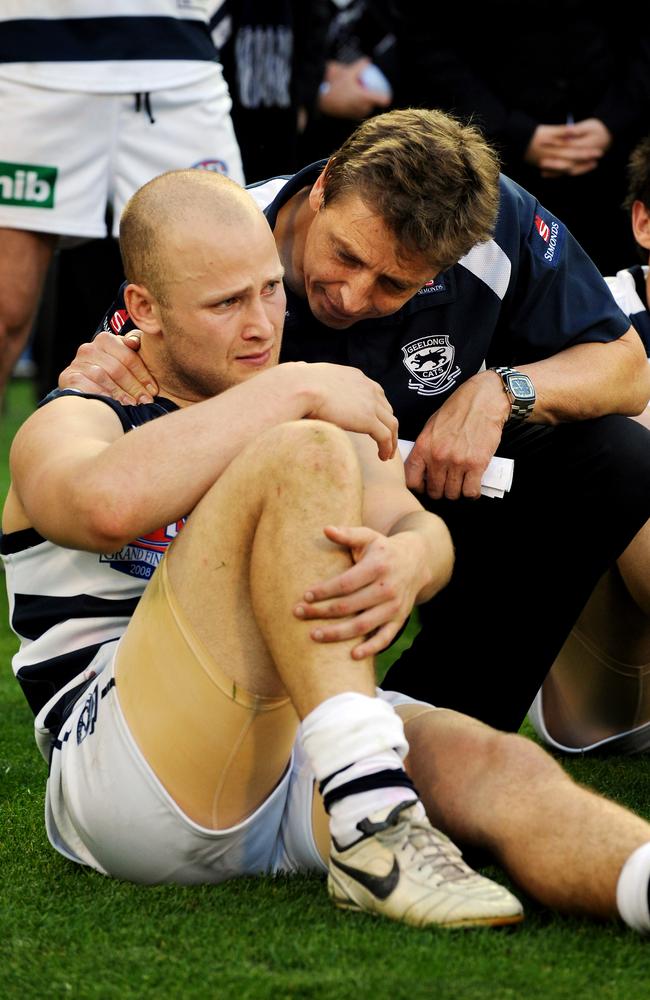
[(158, 220), (204, 283)]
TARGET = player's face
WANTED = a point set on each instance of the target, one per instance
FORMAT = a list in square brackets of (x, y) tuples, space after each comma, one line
[(226, 306), (354, 268)]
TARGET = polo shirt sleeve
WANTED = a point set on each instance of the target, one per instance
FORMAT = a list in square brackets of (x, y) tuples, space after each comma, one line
[(556, 297)]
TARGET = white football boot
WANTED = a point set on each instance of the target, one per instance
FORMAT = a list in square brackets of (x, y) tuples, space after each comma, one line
[(405, 869)]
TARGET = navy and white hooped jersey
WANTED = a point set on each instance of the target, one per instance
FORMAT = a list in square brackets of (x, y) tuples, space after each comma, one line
[(124, 46), (526, 294), (64, 603), (630, 291)]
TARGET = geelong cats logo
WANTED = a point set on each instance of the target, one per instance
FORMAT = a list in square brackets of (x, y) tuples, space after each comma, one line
[(429, 361)]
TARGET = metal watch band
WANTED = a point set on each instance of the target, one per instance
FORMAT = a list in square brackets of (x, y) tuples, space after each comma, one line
[(520, 409)]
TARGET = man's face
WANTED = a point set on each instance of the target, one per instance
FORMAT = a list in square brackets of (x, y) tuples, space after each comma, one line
[(225, 310), (353, 266)]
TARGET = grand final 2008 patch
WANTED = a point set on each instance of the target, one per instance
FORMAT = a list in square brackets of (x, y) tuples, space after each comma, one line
[(430, 363), (141, 557)]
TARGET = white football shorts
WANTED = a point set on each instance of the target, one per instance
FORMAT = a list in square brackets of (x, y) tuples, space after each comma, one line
[(105, 807), (65, 156)]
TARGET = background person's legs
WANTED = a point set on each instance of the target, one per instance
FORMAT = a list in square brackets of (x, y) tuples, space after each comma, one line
[(599, 685), (634, 567), (24, 259)]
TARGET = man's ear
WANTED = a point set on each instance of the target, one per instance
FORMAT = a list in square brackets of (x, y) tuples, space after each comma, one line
[(317, 192), (641, 224), (142, 308)]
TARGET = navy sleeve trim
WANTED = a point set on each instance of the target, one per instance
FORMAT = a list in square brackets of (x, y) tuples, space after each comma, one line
[(129, 416), (18, 541)]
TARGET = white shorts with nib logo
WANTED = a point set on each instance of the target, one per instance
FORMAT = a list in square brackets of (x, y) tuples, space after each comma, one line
[(66, 156)]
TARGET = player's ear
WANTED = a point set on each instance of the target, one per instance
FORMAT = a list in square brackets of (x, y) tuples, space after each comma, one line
[(641, 224), (317, 192), (143, 308)]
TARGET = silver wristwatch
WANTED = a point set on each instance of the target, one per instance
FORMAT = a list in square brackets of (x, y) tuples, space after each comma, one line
[(520, 391)]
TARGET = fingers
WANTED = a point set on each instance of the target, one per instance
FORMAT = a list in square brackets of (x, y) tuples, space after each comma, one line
[(111, 366), (344, 607), (351, 536), (375, 643), (386, 428), (471, 487), (568, 170), (345, 585), (354, 402), (415, 470), (364, 600), (386, 436), (555, 164), (133, 340), (453, 483), (583, 167), (382, 617), (449, 481), (369, 583)]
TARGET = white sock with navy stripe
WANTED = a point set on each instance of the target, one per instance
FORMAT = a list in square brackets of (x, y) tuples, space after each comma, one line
[(356, 745)]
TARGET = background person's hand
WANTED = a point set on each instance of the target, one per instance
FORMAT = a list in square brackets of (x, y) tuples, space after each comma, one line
[(569, 150), (343, 95)]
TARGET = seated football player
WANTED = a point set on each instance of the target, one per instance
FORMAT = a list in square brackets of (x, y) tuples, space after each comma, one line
[(201, 584)]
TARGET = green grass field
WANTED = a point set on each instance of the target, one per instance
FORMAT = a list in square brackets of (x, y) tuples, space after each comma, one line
[(65, 931)]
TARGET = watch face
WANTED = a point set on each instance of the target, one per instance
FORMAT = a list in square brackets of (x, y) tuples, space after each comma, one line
[(521, 387)]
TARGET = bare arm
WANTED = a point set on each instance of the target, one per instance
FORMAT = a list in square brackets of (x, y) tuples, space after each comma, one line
[(82, 483), (591, 380)]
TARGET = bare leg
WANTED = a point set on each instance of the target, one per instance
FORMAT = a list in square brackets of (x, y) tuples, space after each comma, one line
[(248, 552), (599, 684), (562, 843), (24, 259), (634, 567)]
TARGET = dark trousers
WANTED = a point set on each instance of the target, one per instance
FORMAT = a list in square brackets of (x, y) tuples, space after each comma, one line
[(526, 565)]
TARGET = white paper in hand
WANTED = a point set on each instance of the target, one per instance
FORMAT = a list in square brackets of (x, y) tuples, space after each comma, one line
[(497, 478)]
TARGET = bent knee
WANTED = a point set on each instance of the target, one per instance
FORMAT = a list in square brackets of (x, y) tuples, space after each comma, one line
[(309, 447)]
